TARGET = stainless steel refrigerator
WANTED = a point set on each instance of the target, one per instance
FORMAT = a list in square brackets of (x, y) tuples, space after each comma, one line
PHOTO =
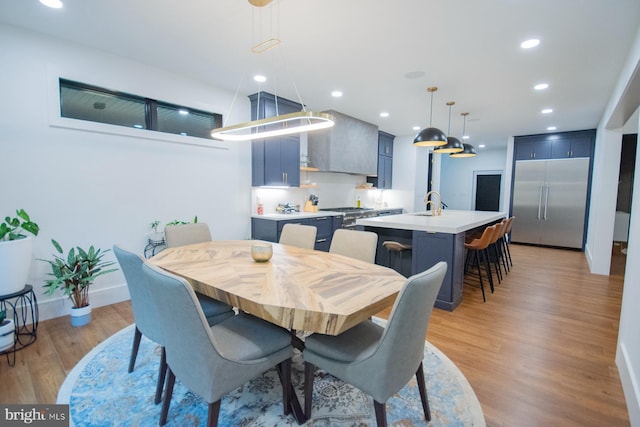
[(550, 201)]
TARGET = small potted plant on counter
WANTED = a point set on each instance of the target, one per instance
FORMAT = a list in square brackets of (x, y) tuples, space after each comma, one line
[(7, 331), (73, 275), (15, 251)]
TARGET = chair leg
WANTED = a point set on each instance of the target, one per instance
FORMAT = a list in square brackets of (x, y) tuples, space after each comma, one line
[(161, 375), (487, 266), (422, 387), (497, 262), (309, 372), (213, 414), (168, 394), (484, 299), (381, 413), (134, 349)]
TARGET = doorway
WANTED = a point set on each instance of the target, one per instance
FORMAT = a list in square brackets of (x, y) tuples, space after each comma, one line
[(487, 186)]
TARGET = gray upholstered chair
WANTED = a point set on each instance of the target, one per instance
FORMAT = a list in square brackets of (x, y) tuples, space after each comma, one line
[(190, 234), (377, 360), (302, 236), (355, 244), (213, 361), (186, 234), (145, 314)]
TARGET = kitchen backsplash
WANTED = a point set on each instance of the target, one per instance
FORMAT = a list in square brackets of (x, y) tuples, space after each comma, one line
[(333, 190)]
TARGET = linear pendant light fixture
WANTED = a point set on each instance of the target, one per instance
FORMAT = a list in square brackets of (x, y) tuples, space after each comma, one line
[(284, 124), (430, 137), (469, 150), (453, 144)]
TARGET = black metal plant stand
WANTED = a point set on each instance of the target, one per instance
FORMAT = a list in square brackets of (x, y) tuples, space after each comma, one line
[(24, 306)]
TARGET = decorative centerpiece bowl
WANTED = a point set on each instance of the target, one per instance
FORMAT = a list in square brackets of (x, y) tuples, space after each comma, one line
[(261, 251)]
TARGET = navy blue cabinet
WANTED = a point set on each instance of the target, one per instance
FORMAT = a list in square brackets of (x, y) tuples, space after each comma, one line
[(561, 145), (385, 162), (270, 229), (274, 161)]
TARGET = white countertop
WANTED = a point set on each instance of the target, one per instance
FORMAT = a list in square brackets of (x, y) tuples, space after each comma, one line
[(295, 215), (451, 221)]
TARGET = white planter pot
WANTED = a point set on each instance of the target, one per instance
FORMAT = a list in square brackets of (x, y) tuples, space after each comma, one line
[(81, 316), (7, 334), (15, 260), (156, 238)]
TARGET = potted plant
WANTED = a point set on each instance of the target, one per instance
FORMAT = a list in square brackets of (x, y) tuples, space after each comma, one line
[(73, 274), (157, 237), (15, 251), (7, 331)]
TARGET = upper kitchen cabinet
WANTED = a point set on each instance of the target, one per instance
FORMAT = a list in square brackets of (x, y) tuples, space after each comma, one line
[(274, 161), (555, 145), (385, 162), (573, 144), (350, 146), (532, 148)]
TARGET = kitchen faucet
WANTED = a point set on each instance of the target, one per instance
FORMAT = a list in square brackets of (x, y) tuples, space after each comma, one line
[(437, 209)]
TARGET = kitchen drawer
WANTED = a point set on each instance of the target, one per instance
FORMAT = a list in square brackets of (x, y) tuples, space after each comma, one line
[(323, 224)]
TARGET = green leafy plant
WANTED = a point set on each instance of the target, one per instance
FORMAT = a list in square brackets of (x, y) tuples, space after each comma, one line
[(3, 315), (154, 225), (12, 228), (177, 222), (74, 273)]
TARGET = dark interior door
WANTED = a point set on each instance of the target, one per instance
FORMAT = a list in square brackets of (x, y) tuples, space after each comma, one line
[(488, 192)]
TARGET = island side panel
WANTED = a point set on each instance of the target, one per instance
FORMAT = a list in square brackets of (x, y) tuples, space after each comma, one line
[(431, 248)]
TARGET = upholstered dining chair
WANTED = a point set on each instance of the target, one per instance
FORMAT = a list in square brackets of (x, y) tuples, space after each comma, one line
[(355, 244), (145, 315), (190, 234), (300, 235), (186, 234), (213, 361), (377, 360)]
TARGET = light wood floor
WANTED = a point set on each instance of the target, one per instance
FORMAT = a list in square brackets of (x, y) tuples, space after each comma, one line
[(539, 352)]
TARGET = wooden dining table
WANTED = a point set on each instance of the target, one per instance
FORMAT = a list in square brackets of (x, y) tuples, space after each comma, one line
[(298, 289)]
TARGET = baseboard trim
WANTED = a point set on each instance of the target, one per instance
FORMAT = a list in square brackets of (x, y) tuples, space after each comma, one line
[(61, 306), (630, 386)]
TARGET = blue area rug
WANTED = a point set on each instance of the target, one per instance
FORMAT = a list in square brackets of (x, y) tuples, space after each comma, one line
[(100, 392)]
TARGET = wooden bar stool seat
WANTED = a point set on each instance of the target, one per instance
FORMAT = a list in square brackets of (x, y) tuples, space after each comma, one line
[(396, 261)]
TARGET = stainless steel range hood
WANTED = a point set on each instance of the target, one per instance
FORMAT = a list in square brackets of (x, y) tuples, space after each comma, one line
[(350, 146)]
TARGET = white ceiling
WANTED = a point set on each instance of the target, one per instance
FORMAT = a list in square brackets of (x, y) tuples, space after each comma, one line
[(365, 48)]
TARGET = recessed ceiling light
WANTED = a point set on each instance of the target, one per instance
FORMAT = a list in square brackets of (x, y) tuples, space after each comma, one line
[(137, 126), (336, 94), (183, 112), (416, 128), (481, 146), (528, 44), (54, 4), (384, 114), (465, 136), (547, 111), (551, 128), (259, 78), (541, 86)]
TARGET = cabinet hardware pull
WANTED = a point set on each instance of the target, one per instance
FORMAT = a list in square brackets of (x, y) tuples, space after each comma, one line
[(539, 202), (321, 240), (546, 203)]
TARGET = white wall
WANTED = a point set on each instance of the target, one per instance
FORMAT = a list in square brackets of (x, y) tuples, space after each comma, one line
[(97, 188), (623, 102), (457, 185)]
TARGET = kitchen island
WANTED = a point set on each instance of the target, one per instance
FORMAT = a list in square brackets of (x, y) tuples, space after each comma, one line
[(433, 239)]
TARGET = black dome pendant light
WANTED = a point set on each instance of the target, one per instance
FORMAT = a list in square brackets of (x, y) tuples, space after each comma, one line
[(430, 137), (469, 150), (453, 144)]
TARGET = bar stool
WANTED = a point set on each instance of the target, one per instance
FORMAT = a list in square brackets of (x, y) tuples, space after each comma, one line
[(506, 239), (398, 249), (480, 247), (495, 244)]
